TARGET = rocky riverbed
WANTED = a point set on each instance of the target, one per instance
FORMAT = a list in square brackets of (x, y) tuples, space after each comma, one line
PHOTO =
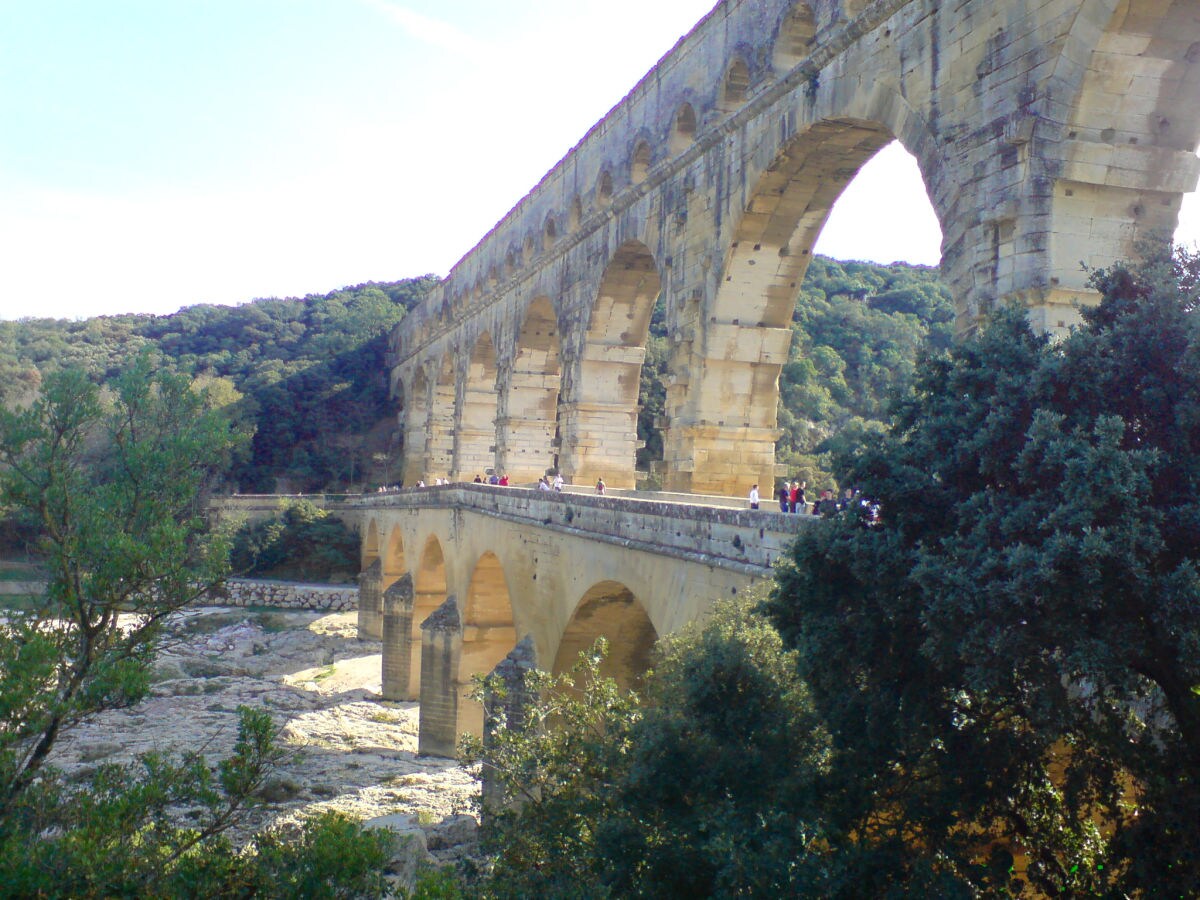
[(351, 752)]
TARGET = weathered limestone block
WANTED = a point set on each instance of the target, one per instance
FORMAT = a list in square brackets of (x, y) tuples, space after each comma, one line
[(370, 600), (397, 639), (441, 649), (505, 706)]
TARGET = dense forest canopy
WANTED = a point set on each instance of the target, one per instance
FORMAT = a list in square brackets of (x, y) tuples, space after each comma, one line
[(307, 375)]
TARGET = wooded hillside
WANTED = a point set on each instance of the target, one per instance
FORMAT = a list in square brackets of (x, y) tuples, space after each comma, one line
[(307, 374)]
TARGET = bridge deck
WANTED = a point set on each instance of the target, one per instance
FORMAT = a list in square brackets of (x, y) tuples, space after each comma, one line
[(744, 540)]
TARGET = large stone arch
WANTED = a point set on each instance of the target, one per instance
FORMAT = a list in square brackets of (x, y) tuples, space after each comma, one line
[(722, 439), (489, 633), (599, 424), (796, 32), (475, 437), (441, 422), (1127, 152), (416, 428), (610, 610), (527, 432)]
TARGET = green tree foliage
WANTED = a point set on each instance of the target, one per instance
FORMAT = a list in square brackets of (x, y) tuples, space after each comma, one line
[(703, 789), (310, 373), (992, 691), (301, 542), (1008, 663), (556, 776), (115, 484)]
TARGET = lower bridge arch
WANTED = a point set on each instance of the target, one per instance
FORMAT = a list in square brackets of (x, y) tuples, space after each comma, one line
[(489, 634), (610, 610), (430, 590)]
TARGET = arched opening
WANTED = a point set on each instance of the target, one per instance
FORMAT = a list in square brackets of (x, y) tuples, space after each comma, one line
[(795, 35), (604, 191), (489, 634), (394, 564), (493, 276), (429, 592), (477, 292), (724, 438), (527, 444), (441, 424), (599, 428), (549, 234), (370, 545), (610, 610), (575, 216), (684, 131), (527, 249), (883, 214), (476, 433), (416, 430), (736, 86), (640, 166)]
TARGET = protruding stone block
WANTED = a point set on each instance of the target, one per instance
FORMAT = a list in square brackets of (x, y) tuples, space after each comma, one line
[(441, 649), (370, 602), (505, 708), (397, 639)]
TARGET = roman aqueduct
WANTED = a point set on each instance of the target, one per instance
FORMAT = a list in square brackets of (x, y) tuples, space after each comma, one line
[(1049, 133)]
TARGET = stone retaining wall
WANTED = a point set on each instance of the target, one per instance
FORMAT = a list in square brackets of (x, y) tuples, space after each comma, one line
[(286, 595)]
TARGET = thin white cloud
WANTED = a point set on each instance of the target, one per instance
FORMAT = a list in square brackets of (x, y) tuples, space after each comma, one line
[(427, 29)]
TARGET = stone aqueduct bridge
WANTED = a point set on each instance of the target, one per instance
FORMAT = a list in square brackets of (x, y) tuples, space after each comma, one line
[(454, 577), (1048, 133)]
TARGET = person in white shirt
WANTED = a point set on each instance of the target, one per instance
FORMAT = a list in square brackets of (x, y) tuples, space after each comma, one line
[(754, 497)]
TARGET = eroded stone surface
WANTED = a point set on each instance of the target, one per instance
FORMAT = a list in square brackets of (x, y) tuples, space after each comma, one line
[(320, 684)]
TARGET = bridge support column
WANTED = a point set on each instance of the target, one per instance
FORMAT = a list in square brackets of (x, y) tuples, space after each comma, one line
[(526, 446), (714, 459), (505, 708), (425, 604), (397, 639), (723, 439), (599, 441), (440, 458), (476, 453), (441, 650), (525, 449), (370, 601)]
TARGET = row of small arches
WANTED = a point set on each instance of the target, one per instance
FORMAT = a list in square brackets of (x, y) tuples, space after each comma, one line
[(796, 34)]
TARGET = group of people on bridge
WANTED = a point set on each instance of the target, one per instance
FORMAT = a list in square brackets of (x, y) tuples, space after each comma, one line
[(792, 499)]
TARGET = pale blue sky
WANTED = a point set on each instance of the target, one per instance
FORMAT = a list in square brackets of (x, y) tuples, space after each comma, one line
[(158, 153)]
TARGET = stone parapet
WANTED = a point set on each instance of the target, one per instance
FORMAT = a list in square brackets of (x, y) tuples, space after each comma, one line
[(749, 541)]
